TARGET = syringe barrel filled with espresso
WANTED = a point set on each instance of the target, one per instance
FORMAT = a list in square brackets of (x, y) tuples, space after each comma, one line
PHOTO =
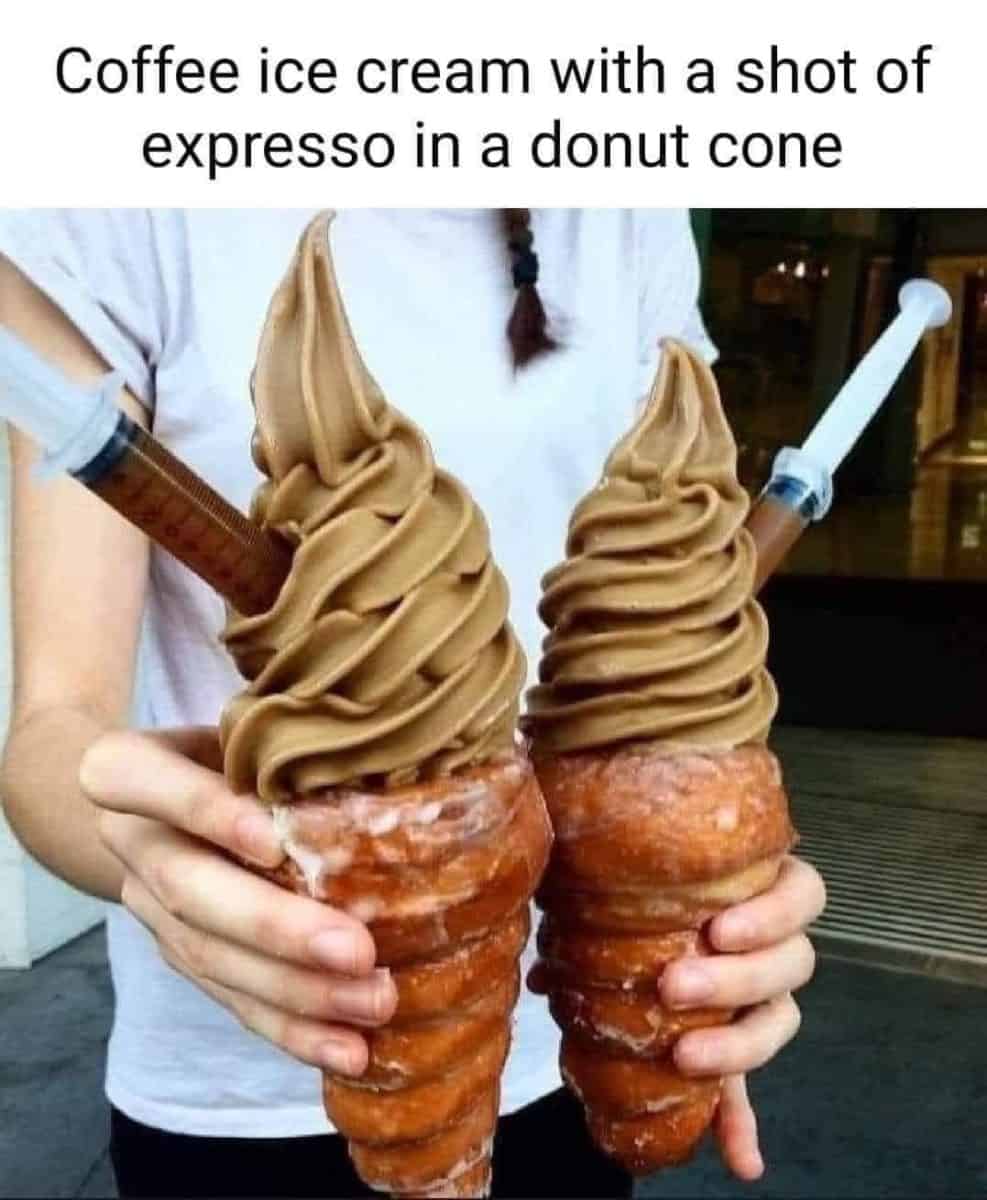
[(84, 433)]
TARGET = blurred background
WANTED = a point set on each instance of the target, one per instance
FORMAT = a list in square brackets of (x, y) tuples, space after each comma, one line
[(793, 298), (879, 647)]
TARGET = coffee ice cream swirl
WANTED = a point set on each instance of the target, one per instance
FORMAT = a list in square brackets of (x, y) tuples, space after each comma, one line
[(654, 634), (387, 656)]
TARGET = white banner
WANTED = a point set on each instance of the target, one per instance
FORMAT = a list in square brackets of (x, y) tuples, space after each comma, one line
[(846, 103)]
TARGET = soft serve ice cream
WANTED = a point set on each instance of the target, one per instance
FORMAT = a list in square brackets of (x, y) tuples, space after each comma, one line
[(379, 722), (388, 655), (654, 633)]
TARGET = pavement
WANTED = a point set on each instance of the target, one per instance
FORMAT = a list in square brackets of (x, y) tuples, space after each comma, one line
[(54, 1020)]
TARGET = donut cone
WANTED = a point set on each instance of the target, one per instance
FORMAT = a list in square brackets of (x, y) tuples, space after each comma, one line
[(649, 846), (442, 872)]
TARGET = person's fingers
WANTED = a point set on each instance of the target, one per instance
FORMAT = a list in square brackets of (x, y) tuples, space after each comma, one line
[(746, 1044), (136, 773), (332, 1047), (735, 1129), (738, 980), (303, 991), (201, 888), (792, 903)]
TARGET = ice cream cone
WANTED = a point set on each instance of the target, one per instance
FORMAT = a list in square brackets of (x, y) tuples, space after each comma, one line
[(648, 731), (379, 723)]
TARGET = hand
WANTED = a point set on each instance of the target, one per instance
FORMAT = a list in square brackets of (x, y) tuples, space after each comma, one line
[(764, 955), (295, 971)]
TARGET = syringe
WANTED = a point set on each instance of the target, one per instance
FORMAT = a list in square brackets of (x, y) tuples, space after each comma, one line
[(84, 433), (800, 489)]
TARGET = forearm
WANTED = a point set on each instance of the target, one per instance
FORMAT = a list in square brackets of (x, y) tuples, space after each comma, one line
[(44, 804), (78, 580)]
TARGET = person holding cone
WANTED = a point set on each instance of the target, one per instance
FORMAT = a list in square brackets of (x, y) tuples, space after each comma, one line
[(112, 773)]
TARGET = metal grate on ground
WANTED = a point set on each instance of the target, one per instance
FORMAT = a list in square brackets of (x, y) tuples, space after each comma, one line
[(907, 885)]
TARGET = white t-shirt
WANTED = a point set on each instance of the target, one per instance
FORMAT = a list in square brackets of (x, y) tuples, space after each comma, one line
[(175, 300)]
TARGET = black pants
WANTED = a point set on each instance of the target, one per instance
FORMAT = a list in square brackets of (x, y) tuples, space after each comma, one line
[(543, 1150)]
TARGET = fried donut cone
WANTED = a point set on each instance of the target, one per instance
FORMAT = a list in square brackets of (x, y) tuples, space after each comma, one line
[(442, 873), (648, 848)]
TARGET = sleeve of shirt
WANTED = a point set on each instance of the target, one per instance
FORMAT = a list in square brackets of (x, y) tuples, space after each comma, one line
[(669, 284), (101, 268)]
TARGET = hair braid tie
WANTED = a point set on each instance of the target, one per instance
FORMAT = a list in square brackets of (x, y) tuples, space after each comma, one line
[(527, 326)]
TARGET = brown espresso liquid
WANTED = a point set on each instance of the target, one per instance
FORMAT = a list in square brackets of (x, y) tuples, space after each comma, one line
[(177, 510), (775, 528)]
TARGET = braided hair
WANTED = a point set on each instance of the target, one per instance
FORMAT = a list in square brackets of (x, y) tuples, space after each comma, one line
[(526, 328)]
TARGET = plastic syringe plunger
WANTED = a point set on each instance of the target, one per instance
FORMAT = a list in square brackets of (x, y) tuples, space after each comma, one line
[(85, 434), (71, 423), (924, 305)]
